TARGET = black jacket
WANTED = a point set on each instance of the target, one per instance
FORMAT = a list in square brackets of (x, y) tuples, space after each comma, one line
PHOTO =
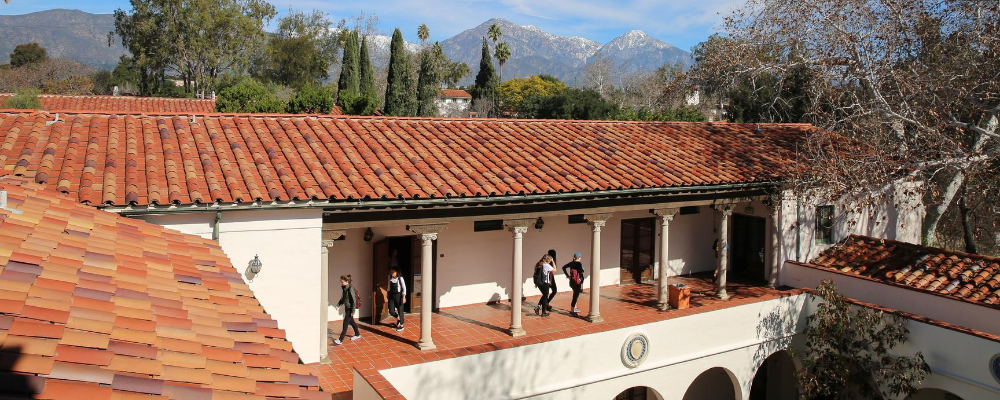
[(347, 298)]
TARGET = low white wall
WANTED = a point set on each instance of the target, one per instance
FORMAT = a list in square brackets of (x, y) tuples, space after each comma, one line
[(288, 244), (475, 267), (738, 339), (957, 312)]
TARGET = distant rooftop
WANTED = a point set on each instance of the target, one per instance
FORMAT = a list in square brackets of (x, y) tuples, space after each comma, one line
[(111, 104), (454, 93)]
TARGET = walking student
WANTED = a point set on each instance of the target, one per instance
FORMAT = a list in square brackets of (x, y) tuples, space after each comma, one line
[(552, 282), (574, 271), (397, 297), (543, 278), (348, 299)]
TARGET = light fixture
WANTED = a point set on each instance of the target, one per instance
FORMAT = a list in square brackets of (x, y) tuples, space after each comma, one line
[(369, 235), (253, 268), (749, 210), (539, 223)]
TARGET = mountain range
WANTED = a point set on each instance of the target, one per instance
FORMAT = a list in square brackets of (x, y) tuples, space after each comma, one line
[(82, 37)]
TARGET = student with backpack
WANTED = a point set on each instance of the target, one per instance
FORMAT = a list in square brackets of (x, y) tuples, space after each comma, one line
[(350, 299), (574, 271), (543, 277), (397, 297), (552, 283)]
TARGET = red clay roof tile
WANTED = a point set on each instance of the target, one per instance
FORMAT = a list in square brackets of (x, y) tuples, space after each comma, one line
[(969, 277), (265, 158), (55, 102), (102, 316)]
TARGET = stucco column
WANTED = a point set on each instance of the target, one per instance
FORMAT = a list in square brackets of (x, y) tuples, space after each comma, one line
[(772, 277), (428, 234), (725, 210), (328, 237), (518, 228), (596, 222), (666, 215)]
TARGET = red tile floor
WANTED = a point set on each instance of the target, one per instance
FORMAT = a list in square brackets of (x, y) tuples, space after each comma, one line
[(480, 328)]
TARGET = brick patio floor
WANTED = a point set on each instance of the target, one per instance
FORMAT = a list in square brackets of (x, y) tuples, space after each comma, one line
[(480, 328)]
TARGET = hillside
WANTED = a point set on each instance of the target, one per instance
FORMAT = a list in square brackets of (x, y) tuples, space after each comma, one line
[(72, 34)]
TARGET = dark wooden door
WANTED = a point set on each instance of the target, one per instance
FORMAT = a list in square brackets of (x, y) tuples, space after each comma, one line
[(637, 248), (749, 234), (380, 272)]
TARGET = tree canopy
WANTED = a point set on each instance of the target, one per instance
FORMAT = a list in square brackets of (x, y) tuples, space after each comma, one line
[(29, 53), (248, 95), (486, 79), (400, 99), (299, 53)]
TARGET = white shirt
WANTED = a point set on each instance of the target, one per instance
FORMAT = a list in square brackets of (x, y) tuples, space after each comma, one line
[(546, 272)]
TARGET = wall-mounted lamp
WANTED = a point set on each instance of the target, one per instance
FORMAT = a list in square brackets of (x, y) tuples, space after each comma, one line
[(253, 268), (539, 223), (749, 210), (369, 235)]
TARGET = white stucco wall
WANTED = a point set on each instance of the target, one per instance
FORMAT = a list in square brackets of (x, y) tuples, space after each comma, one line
[(288, 244), (899, 220), (590, 367), (913, 301)]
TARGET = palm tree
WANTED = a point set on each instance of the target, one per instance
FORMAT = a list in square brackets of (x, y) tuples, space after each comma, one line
[(502, 53), (423, 33), (494, 33)]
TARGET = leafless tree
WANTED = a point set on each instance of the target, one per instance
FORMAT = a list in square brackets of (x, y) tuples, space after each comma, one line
[(912, 85), (597, 75)]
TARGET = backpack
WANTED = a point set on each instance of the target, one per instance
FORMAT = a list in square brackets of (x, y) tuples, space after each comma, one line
[(538, 277), (575, 277), (357, 298)]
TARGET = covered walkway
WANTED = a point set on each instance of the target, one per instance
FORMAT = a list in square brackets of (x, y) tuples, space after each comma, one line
[(481, 328)]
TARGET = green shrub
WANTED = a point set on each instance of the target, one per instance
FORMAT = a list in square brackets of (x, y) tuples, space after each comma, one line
[(312, 99), (24, 100), (248, 96), (353, 103)]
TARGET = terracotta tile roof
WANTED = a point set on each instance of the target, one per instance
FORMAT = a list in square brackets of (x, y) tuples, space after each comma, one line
[(454, 93), (964, 276), (55, 102), (168, 159), (94, 305)]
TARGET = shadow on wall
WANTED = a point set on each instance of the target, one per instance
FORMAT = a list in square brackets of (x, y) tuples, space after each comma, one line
[(476, 377), (714, 384), (16, 385)]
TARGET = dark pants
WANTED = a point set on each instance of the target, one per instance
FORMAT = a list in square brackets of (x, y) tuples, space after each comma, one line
[(349, 321), (552, 293), (544, 301), (396, 306), (577, 289)]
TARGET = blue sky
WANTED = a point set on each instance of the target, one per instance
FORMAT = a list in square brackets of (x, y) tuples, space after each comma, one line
[(682, 23)]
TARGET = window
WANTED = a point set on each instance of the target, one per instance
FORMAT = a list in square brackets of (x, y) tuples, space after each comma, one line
[(577, 219), (690, 210), (824, 224), (490, 225)]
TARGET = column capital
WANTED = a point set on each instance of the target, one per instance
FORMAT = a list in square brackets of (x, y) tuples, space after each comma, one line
[(666, 213), (519, 226), (597, 220), (428, 229), (326, 244), (725, 208)]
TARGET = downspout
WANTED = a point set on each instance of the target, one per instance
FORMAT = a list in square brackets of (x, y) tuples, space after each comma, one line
[(215, 226), (798, 228)]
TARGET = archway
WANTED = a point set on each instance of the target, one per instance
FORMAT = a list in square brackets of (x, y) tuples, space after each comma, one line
[(933, 394), (775, 379), (714, 384), (639, 393)]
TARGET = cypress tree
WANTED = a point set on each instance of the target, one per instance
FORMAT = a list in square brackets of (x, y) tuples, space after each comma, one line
[(368, 88), (486, 79), (399, 93), (349, 78), (427, 84)]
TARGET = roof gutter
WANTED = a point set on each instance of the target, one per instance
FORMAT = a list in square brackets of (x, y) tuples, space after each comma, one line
[(380, 204)]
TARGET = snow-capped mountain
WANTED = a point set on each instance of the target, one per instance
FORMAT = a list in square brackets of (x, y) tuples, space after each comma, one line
[(637, 50)]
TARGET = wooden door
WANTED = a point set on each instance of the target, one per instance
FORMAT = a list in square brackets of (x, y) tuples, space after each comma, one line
[(749, 234), (416, 300), (380, 289), (638, 240)]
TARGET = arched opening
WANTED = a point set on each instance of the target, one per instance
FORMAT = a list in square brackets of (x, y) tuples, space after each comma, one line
[(775, 379), (714, 384), (933, 394), (639, 393)]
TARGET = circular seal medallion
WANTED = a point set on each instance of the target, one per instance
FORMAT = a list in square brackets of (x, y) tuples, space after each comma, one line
[(995, 367), (635, 350)]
